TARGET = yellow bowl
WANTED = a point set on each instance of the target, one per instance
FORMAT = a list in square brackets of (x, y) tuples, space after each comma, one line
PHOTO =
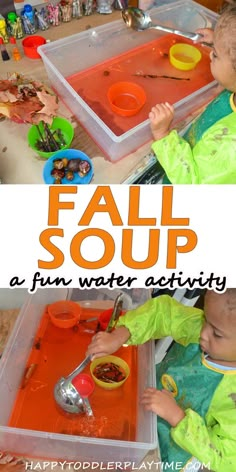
[(106, 359), (184, 56)]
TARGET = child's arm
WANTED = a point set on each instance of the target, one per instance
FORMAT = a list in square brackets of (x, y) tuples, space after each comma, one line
[(163, 404), (215, 445), (157, 318), (161, 117), (104, 344), (210, 161)]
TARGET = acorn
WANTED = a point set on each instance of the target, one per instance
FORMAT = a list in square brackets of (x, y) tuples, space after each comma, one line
[(65, 161), (57, 181), (69, 175), (58, 173), (73, 165), (84, 168), (58, 164)]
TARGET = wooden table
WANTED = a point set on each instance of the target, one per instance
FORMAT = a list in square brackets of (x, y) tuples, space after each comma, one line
[(21, 165)]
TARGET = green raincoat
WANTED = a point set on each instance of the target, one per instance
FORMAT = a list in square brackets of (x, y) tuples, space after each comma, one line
[(207, 153), (211, 438)]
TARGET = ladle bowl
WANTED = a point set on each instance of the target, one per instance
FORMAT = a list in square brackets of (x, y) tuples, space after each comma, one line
[(140, 20), (72, 396), (68, 397)]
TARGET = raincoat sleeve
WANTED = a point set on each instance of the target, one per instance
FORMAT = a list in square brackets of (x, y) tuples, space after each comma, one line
[(160, 317), (210, 161), (213, 446)]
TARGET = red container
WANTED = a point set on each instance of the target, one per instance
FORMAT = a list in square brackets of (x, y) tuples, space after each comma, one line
[(31, 44), (84, 384), (105, 317)]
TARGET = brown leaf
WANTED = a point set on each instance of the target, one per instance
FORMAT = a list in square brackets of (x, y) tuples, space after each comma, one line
[(20, 111), (50, 103), (7, 96), (26, 101)]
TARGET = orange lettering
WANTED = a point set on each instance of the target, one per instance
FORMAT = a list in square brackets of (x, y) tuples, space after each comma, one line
[(173, 248), (95, 206), (153, 250), (166, 214), (55, 205), (133, 217), (58, 256), (109, 248)]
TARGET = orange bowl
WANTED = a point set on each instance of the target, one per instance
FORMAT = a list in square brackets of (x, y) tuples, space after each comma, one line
[(126, 98), (64, 313)]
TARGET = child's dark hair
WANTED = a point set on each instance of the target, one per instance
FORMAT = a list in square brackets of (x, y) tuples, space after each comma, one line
[(229, 298), (225, 30)]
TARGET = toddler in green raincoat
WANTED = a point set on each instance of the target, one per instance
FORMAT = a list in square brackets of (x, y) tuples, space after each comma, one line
[(206, 154), (195, 399)]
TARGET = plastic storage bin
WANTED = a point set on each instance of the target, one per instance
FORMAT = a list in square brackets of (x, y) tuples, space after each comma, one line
[(66, 57), (53, 446)]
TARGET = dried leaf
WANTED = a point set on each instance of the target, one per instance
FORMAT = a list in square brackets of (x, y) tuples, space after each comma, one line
[(26, 101), (7, 96), (10, 463), (50, 103)]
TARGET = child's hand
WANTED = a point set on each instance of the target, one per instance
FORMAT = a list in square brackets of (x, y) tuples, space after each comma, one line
[(207, 36), (104, 343), (161, 117), (163, 404)]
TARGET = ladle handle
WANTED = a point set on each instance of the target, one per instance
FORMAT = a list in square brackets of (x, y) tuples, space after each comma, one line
[(79, 368), (184, 34), (87, 407)]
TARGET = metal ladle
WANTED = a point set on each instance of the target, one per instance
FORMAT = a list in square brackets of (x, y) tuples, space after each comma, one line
[(140, 20), (65, 393)]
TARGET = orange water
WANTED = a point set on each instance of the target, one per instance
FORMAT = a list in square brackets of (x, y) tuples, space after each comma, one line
[(55, 354), (92, 84)]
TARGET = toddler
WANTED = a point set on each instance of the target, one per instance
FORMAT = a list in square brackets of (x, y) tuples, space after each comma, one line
[(207, 152), (195, 400)]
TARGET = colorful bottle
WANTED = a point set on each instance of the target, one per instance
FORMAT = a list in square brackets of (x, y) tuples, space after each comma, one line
[(15, 27), (4, 53), (15, 51), (28, 19), (3, 29)]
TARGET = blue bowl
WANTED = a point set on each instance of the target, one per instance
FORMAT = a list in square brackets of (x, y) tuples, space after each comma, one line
[(68, 154)]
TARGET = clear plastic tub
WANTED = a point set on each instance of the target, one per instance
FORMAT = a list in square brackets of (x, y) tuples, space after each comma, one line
[(65, 58), (54, 446)]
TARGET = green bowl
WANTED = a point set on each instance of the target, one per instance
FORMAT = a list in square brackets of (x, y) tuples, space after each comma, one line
[(58, 123)]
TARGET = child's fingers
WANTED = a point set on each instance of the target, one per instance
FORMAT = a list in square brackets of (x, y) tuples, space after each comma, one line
[(148, 395), (97, 345), (207, 35), (170, 107), (151, 116), (97, 355), (149, 390), (160, 111), (149, 407)]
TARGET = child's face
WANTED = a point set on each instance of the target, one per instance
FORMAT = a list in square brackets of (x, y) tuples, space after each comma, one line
[(221, 65), (218, 335)]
